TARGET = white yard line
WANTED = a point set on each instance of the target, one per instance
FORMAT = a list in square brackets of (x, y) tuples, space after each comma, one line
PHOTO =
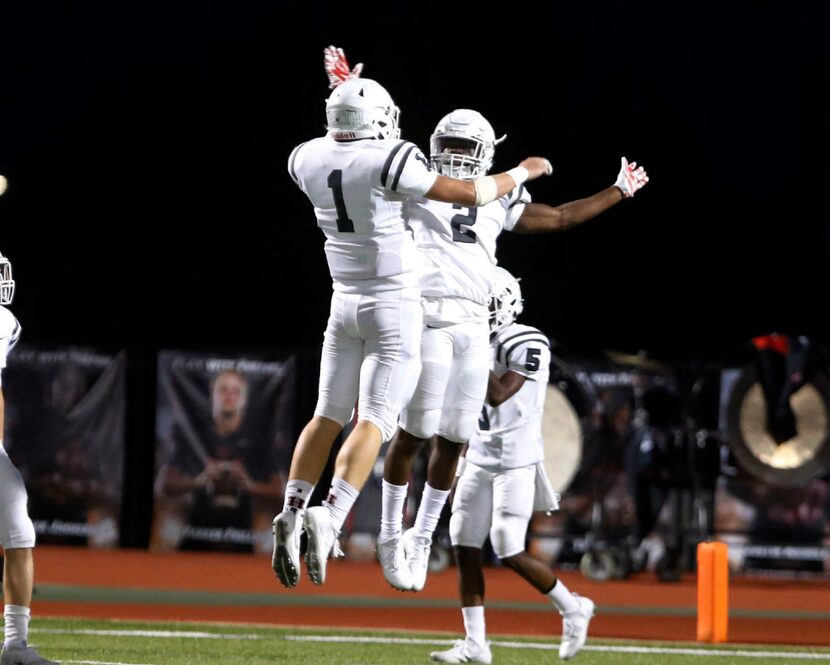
[(149, 633), (682, 651)]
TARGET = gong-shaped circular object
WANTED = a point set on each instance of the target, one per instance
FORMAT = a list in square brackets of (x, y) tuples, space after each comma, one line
[(791, 462)]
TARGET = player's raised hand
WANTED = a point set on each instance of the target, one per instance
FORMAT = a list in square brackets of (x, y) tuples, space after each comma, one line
[(337, 67), (537, 166), (631, 178)]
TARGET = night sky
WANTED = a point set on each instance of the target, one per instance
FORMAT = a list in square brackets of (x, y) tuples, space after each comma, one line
[(149, 204)]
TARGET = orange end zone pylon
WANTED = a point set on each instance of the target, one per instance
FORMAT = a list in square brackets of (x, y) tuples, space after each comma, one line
[(712, 592)]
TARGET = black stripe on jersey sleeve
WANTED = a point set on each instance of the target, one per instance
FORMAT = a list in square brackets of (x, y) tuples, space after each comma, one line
[(400, 167), (519, 192), (503, 343), (15, 333), (536, 338), (291, 163), (384, 174)]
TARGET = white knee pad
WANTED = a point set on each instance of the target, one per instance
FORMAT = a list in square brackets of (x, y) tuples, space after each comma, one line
[(419, 423), (458, 425), (339, 414), (382, 418), (471, 507), (507, 534), (16, 528)]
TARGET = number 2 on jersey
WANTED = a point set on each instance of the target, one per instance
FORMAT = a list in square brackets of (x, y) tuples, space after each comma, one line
[(335, 183), (457, 221)]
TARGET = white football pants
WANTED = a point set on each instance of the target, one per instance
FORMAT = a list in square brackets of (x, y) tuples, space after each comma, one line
[(500, 503), (16, 528), (452, 386), (370, 355)]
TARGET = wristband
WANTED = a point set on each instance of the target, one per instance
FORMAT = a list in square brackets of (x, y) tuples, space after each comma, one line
[(519, 174)]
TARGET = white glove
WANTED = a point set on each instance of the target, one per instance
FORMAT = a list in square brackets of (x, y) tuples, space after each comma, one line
[(337, 67), (630, 178)]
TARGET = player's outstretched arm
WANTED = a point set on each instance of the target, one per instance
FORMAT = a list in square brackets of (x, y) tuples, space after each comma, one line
[(480, 191), (542, 218)]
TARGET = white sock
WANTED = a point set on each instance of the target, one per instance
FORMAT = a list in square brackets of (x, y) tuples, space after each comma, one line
[(391, 518), (562, 598), (339, 502), (297, 494), (474, 624), (17, 623), (429, 512)]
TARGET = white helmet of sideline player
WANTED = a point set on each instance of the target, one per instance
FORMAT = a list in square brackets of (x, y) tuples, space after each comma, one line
[(505, 300), (463, 144), (6, 281), (360, 109)]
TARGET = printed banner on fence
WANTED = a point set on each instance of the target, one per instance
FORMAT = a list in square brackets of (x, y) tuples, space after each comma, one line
[(65, 414), (224, 437)]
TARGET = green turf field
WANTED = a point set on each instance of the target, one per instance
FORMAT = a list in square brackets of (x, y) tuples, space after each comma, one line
[(141, 643)]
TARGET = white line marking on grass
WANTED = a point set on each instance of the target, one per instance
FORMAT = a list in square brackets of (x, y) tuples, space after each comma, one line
[(100, 662), (148, 633), (797, 655)]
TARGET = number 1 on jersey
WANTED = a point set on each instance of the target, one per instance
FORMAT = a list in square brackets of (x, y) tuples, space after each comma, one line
[(335, 183)]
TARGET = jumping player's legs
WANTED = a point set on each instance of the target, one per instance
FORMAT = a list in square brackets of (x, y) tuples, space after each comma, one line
[(390, 323)]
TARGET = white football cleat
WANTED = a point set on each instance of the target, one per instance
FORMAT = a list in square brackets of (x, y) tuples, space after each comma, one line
[(575, 627), (394, 564), (464, 651), (416, 549), (285, 559), (322, 543), (19, 653)]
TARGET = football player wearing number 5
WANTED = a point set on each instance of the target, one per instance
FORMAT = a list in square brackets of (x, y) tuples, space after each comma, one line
[(357, 177), (502, 481)]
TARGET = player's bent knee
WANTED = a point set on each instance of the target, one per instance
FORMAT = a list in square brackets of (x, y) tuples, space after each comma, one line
[(385, 422), (507, 535), (339, 414), (421, 424), (17, 530), (458, 426), (467, 529)]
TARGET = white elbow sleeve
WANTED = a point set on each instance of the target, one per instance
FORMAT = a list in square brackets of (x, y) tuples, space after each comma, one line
[(486, 190)]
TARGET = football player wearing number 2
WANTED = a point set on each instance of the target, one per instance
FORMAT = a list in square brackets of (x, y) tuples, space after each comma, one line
[(357, 177), (457, 244)]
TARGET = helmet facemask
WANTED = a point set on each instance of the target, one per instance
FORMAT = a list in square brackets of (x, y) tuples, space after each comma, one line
[(463, 145), (458, 157), (6, 281)]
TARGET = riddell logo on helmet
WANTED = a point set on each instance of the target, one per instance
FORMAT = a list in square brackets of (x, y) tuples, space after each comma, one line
[(343, 135)]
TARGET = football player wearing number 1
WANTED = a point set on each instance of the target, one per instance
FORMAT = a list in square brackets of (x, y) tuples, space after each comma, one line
[(458, 246), (357, 177)]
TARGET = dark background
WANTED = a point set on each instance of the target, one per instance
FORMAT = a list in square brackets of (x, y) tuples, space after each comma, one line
[(149, 205)]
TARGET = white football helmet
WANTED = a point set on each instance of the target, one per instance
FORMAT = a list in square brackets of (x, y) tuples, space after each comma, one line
[(505, 300), (6, 281), (361, 108), (463, 145)]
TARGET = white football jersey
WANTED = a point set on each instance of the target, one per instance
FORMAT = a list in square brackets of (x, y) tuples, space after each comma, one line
[(358, 189), (9, 334), (510, 435), (458, 244)]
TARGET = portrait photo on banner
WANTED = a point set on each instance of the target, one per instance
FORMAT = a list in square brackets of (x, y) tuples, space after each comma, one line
[(224, 435)]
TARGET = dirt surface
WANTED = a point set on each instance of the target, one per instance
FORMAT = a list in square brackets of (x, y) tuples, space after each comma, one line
[(356, 595)]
